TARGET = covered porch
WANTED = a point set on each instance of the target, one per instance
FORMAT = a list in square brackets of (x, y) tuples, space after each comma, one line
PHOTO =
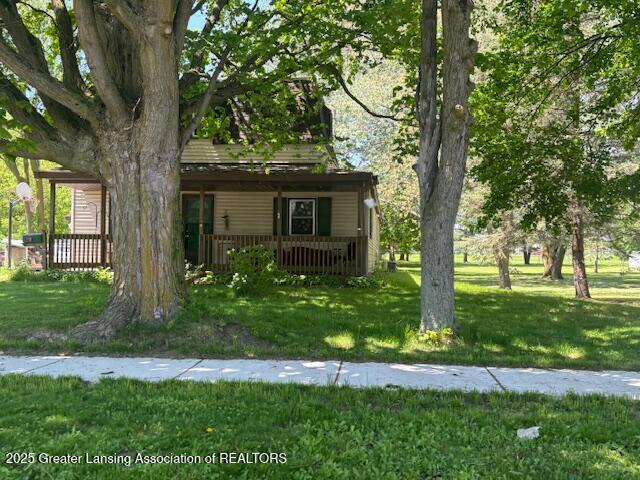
[(314, 223)]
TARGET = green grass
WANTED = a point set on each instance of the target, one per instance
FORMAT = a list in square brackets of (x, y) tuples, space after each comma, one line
[(326, 432), (537, 324)]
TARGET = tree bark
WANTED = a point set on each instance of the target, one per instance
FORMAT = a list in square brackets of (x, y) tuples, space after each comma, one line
[(580, 282), (392, 266), (465, 257), (502, 260), (553, 252), (42, 222), (140, 165), (443, 153), (526, 254)]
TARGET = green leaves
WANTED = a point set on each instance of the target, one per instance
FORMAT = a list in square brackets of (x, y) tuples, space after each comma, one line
[(554, 108)]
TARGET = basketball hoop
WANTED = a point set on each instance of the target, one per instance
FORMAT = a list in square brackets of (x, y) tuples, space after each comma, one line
[(24, 192)]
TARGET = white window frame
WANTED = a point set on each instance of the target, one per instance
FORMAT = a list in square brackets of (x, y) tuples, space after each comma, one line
[(313, 216)]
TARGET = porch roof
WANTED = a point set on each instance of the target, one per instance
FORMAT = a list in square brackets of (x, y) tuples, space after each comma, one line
[(235, 177)]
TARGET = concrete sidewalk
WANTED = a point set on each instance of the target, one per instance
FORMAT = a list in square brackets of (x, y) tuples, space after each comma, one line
[(390, 375)]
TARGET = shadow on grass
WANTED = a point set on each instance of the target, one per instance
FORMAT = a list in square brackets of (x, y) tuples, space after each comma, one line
[(532, 327)]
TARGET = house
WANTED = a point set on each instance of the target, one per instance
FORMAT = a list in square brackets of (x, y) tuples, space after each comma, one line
[(314, 216), (20, 254)]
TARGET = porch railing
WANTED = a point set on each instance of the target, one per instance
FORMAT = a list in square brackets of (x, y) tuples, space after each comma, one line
[(78, 251), (296, 254)]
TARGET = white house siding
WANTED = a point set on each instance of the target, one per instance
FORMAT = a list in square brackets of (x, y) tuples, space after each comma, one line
[(373, 253), (85, 207), (249, 213), (85, 219), (252, 212)]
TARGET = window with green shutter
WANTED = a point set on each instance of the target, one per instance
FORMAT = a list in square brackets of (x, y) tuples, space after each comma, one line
[(302, 216)]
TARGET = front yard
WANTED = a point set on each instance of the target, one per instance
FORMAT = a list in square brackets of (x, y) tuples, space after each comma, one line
[(326, 432), (537, 324)]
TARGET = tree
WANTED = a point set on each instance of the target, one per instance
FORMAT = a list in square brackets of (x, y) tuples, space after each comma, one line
[(441, 163), (399, 231), (544, 113), (121, 100)]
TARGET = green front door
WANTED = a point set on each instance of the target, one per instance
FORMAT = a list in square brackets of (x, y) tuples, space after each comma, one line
[(191, 219)]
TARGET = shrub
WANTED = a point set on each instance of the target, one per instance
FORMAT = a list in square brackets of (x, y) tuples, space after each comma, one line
[(254, 268), (372, 281), (441, 337), (24, 274)]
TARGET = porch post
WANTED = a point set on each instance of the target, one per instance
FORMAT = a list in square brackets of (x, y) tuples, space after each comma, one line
[(359, 254), (201, 227), (103, 226), (279, 226), (52, 221)]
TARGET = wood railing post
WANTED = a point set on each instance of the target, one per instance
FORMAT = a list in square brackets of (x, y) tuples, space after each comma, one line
[(359, 252), (103, 226), (52, 223), (279, 227)]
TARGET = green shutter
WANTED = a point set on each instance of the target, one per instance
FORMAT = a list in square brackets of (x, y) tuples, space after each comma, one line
[(324, 216), (285, 216)]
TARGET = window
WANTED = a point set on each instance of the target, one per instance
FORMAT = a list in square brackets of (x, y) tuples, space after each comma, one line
[(302, 217), (371, 223)]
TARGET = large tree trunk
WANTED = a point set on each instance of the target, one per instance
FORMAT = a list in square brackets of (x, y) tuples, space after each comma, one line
[(148, 263), (437, 289), (141, 167), (443, 153), (580, 281)]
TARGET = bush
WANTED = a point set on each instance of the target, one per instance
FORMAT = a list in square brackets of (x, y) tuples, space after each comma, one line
[(372, 281), (24, 274), (254, 268), (197, 275)]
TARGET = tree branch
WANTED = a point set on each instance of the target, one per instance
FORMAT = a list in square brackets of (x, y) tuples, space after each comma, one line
[(204, 101), (90, 41), (336, 73), (45, 84), (71, 72), (191, 76), (31, 54), (10, 163), (20, 109), (430, 128), (184, 10), (126, 16)]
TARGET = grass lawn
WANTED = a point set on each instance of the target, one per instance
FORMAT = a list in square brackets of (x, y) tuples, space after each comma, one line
[(326, 432), (536, 324)]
